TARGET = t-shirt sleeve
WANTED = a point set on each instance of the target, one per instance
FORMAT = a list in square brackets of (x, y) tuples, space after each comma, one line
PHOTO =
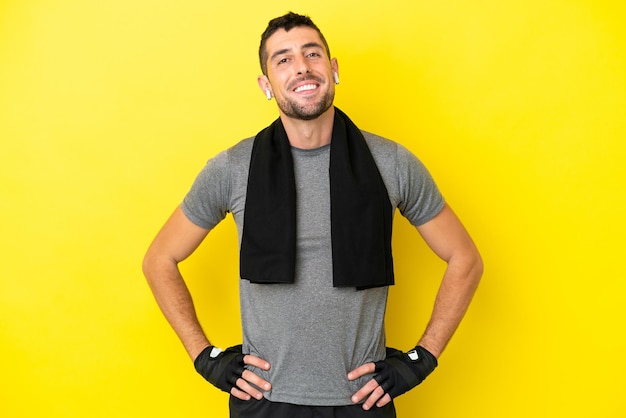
[(420, 199), (207, 202)]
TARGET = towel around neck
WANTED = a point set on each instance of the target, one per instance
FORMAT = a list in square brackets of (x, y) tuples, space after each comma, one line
[(361, 213)]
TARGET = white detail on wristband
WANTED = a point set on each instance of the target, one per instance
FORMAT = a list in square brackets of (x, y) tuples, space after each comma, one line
[(413, 355), (215, 352)]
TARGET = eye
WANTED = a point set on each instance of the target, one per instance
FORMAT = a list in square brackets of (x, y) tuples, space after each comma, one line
[(282, 61), (313, 55)]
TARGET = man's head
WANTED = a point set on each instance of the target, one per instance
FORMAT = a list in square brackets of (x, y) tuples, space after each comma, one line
[(297, 69), (286, 22)]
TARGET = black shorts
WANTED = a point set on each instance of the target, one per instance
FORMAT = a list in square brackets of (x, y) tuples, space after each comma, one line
[(267, 409)]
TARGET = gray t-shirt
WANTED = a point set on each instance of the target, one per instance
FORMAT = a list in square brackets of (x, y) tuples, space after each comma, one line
[(312, 333)]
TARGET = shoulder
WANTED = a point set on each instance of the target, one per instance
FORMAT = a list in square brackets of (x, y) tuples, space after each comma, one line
[(377, 142), (241, 149), (386, 151), (383, 150), (380, 144), (233, 158), (240, 152)]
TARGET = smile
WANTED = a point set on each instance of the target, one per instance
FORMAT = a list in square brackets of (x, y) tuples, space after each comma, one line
[(305, 87)]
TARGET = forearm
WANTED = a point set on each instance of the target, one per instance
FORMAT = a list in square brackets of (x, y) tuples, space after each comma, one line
[(174, 300), (453, 298)]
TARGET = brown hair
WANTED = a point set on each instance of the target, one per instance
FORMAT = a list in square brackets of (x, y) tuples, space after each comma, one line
[(286, 22)]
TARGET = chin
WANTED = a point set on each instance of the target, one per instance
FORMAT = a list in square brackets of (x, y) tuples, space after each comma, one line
[(294, 111)]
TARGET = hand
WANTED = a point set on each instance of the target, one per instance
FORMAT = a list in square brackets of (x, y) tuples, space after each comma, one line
[(226, 371), (397, 374)]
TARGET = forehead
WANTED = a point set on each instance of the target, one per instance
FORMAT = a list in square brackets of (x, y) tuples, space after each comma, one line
[(293, 39)]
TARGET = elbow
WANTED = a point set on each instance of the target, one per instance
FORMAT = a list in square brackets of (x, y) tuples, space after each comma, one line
[(468, 266), (156, 265), (146, 265), (150, 264), (477, 267)]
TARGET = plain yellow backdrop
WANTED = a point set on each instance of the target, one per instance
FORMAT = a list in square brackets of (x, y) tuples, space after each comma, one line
[(108, 110)]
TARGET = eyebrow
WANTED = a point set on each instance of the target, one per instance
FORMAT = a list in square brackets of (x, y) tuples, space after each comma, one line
[(305, 46)]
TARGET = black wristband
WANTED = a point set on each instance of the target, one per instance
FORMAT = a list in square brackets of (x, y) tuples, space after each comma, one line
[(400, 372), (223, 370)]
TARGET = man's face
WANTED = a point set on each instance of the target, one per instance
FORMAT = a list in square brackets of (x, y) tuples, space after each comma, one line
[(299, 73)]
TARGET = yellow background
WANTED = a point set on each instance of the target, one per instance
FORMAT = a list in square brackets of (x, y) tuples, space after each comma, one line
[(108, 109)]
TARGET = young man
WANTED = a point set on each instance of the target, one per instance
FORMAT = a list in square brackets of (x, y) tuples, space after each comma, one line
[(313, 198)]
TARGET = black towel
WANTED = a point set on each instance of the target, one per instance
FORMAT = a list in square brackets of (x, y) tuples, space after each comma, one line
[(361, 214)]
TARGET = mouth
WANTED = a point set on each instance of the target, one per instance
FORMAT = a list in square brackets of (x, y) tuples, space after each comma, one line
[(306, 87)]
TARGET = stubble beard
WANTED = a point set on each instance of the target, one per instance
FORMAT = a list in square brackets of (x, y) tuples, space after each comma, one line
[(308, 111)]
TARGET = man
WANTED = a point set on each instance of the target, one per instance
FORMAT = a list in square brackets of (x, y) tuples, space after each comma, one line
[(313, 198)]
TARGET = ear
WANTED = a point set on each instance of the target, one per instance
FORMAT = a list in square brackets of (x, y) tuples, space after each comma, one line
[(264, 85), (334, 65)]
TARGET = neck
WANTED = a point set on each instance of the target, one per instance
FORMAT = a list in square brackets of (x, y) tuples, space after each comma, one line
[(310, 134)]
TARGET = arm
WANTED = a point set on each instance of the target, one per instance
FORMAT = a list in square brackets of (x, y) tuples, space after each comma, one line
[(176, 241), (447, 237)]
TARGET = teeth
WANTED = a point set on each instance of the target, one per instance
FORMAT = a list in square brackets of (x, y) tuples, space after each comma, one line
[(305, 88)]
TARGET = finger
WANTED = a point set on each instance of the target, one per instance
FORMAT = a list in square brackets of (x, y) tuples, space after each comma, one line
[(362, 393), (256, 362), (247, 388), (239, 394), (376, 394), (384, 400), (367, 368), (256, 380), (384, 384)]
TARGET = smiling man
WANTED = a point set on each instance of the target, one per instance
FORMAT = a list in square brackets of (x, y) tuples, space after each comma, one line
[(313, 198), (302, 52)]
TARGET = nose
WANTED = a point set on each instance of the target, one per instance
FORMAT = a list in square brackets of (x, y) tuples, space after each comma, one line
[(302, 66)]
